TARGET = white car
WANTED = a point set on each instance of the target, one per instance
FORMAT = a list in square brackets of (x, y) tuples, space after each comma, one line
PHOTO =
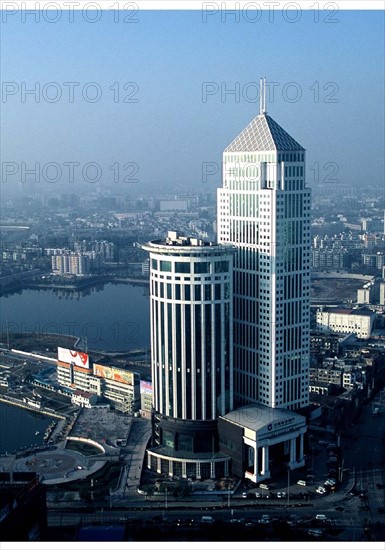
[(281, 494), (320, 490), (330, 482)]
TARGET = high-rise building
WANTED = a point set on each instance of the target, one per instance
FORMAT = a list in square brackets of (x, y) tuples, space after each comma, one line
[(70, 264), (191, 354), (264, 211)]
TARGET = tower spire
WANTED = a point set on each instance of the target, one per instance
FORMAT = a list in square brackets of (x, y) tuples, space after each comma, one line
[(262, 96)]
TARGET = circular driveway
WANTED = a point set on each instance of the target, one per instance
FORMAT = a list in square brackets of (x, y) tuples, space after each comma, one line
[(53, 464)]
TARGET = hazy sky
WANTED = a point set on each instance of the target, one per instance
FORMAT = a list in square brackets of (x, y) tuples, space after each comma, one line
[(335, 71)]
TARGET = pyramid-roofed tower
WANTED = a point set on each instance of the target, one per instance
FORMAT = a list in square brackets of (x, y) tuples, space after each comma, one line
[(263, 134)]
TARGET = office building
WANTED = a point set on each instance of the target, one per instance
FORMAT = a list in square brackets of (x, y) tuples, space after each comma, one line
[(264, 211), (191, 354)]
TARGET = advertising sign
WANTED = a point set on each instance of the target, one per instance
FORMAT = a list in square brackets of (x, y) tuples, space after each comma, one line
[(79, 358), (145, 387), (113, 373)]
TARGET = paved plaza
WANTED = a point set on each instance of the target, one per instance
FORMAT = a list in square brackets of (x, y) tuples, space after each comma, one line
[(107, 427)]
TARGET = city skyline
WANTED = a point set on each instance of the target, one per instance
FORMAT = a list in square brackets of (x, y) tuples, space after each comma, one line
[(188, 349), (193, 83)]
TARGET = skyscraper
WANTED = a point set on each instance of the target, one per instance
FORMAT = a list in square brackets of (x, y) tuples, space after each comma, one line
[(264, 210), (191, 354)]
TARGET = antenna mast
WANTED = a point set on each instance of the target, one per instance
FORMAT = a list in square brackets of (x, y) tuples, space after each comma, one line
[(262, 96)]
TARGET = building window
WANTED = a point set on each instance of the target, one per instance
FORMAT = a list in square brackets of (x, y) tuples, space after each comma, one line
[(202, 267), (197, 292), (165, 266), (182, 267), (221, 267)]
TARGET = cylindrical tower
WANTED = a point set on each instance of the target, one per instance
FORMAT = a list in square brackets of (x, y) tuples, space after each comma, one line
[(191, 349)]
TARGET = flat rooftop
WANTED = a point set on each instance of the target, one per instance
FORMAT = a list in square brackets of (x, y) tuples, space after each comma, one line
[(174, 242), (348, 311), (258, 416)]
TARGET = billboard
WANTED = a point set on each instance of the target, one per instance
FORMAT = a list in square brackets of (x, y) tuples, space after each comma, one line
[(145, 387), (79, 358), (114, 373)]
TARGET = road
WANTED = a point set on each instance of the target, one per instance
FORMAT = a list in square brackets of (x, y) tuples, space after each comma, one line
[(133, 454), (364, 455)]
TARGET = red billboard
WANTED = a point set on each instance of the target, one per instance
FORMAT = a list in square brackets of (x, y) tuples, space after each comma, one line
[(79, 358)]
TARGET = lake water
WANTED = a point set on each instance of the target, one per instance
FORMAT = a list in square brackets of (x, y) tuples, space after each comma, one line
[(111, 317), (18, 428)]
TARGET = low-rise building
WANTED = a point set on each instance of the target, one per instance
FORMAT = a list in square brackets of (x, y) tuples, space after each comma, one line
[(324, 343), (346, 321), (76, 377), (83, 399), (119, 385), (252, 434)]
